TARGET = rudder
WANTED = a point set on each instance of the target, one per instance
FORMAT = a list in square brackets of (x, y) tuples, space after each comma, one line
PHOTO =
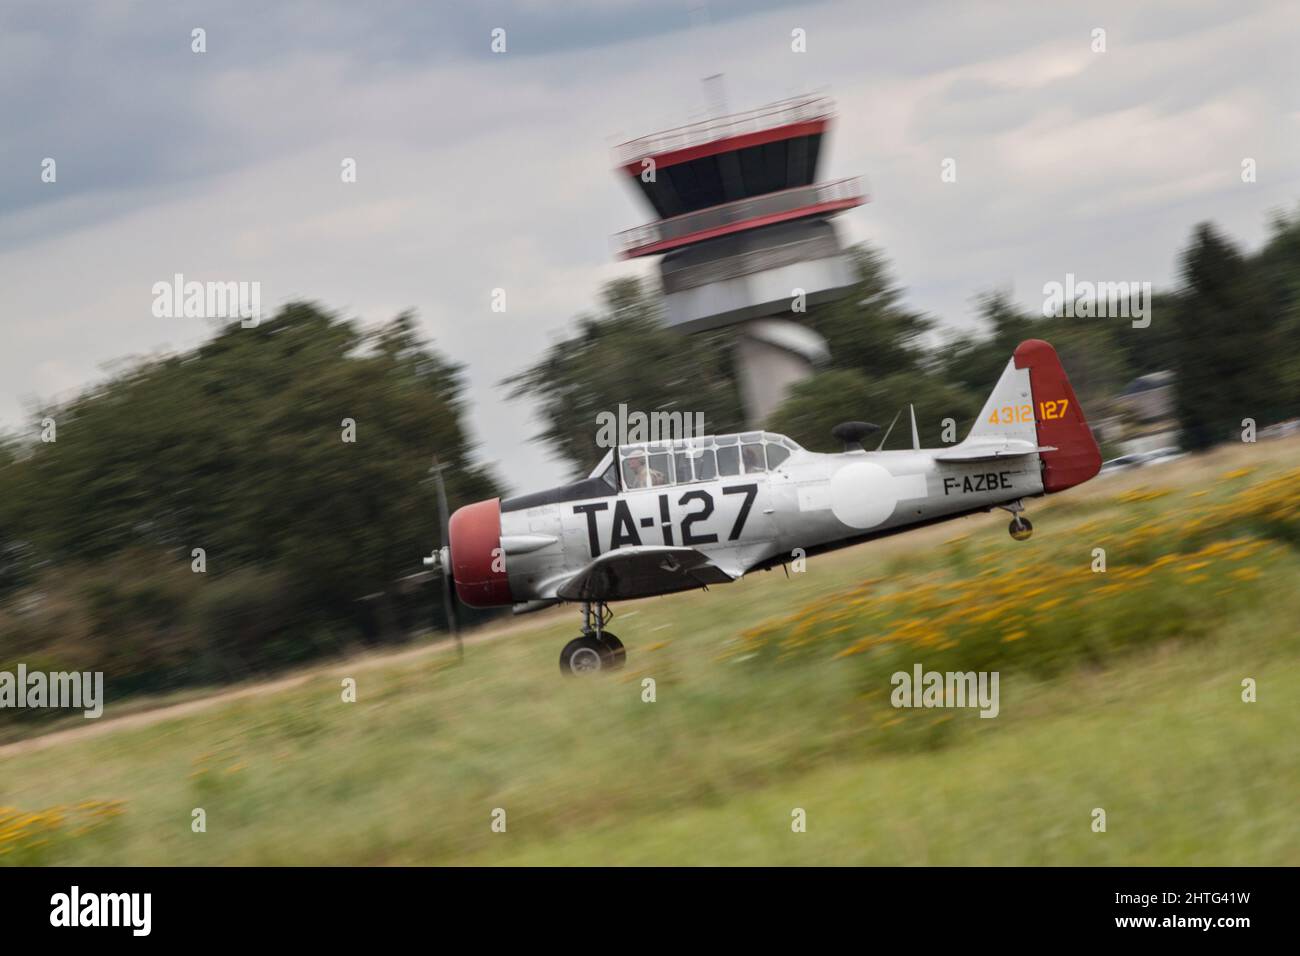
[(1058, 418)]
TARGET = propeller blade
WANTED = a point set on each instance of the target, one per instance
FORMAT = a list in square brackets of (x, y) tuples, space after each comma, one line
[(449, 603), (444, 540)]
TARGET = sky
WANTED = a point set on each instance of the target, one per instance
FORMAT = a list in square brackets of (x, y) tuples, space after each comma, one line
[(478, 170)]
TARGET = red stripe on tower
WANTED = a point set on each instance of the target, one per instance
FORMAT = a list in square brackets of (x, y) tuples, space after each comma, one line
[(675, 157)]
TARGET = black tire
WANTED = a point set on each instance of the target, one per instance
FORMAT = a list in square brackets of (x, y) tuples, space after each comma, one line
[(617, 652), (583, 656), (1021, 528)]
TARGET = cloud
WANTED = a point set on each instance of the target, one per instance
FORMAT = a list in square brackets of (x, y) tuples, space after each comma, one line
[(478, 171)]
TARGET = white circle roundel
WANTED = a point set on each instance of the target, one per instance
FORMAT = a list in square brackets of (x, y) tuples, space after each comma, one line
[(863, 494)]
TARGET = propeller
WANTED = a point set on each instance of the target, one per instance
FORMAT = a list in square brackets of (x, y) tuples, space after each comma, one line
[(440, 560)]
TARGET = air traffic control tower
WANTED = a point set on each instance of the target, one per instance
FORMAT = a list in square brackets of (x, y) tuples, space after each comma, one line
[(743, 228)]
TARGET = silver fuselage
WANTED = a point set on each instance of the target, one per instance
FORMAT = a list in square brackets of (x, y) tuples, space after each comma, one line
[(812, 502)]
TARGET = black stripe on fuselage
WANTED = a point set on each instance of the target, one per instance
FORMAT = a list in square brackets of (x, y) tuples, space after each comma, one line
[(587, 488)]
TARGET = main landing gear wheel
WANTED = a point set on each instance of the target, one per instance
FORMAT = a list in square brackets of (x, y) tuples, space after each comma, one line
[(585, 655), (617, 653), (596, 650), (1020, 528)]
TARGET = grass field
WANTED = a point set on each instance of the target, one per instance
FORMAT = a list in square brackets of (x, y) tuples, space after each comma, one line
[(771, 695)]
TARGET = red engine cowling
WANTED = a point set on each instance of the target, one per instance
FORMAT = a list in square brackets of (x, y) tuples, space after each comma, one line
[(477, 561)]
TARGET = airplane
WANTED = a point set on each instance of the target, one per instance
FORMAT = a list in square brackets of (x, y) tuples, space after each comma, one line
[(658, 518)]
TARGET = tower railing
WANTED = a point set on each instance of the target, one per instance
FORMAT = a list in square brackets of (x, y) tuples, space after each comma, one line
[(739, 214), (784, 113)]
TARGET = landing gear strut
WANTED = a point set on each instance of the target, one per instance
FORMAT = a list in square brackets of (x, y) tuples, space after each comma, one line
[(1021, 527), (597, 649)]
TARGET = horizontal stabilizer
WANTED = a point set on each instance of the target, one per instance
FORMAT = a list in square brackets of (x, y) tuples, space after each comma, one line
[(988, 450)]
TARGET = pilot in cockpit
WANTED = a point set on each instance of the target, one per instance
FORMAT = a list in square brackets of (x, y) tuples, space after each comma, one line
[(636, 473)]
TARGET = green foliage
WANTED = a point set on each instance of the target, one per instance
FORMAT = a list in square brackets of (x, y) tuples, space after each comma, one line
[(877, 366), (868, 328), (828, 398), (1230, 355), (625, 356), (1228, 334), (237, 448)]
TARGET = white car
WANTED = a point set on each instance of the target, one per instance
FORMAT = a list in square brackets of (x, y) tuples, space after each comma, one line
[(1139, 459), (1281, 430), (1122, 463), (1162, 455)]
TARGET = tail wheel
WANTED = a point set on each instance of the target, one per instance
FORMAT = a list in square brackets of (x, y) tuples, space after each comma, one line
[(617, 653), (585, 655), (1021, 528)]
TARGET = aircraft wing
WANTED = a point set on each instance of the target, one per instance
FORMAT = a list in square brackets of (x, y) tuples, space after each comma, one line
[(642, 572), (990, 450)]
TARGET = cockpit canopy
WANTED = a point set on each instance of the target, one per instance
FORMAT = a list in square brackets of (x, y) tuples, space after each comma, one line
[(652, 465)]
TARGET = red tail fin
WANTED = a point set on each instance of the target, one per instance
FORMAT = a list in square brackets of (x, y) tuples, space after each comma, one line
[(1058, 418)]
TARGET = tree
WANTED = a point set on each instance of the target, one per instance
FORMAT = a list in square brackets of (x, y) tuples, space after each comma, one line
[(816, 405), (1276, 274), (868, 329), (1098, 370), (975, 361), (1228, 355), (238, 448), (626, 356)]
